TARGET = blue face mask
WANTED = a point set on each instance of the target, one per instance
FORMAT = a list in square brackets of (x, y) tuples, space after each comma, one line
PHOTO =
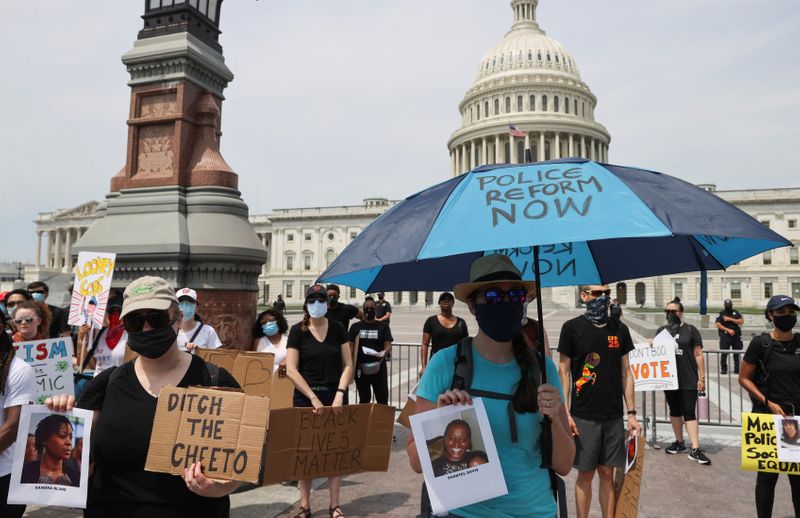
[(270, 328), (38, 297), (188, 309), (10, 311), (3, 309)]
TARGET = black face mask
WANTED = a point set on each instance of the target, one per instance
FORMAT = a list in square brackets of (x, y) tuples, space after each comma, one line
[(501, 322), (673, 323), (154, 343), (784, 323), (597, 310), (369, 314)]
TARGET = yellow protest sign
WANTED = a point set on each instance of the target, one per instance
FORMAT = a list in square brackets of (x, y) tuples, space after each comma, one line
[(760, 446)]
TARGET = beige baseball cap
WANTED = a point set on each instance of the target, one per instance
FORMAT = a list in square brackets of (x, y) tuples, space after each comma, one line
[(148, 293)]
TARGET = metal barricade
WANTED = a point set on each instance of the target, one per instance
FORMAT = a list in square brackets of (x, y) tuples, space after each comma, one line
[(403, 372)]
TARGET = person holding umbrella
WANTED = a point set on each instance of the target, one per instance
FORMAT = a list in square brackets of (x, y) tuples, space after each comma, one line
[(594, 370), (503, 364)]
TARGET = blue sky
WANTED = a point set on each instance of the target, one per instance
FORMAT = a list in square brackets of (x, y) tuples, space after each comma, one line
[(357, 98)]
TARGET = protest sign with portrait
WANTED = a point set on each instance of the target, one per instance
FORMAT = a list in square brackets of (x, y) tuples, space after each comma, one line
[(51, 360), (51, 457), (459, 460), (91, 285)]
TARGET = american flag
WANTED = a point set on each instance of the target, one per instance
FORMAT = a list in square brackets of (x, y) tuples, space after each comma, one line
[(514, 131)]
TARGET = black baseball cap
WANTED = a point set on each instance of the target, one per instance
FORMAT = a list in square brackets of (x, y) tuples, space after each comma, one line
[(777, 302)]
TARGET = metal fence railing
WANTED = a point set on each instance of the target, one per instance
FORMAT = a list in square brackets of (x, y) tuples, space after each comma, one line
[(727, 400)]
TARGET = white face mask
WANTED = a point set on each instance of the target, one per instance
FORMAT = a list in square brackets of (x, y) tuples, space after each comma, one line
[(524, 312), (317, 309)]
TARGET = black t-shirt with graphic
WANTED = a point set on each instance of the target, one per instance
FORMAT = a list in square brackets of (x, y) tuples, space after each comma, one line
[(783, 366), (320, 363), (441, 336), (120, 441), (730, 325), (381, 308), (372, 335), (596, 354), (688, 338), (342, 313)]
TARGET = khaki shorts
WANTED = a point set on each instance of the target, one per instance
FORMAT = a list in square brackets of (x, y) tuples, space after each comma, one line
[(599, 443)]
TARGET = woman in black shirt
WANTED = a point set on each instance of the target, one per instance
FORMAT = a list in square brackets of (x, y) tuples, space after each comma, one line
[(442, 330), (319, 364), (124, 402), (777, 354)]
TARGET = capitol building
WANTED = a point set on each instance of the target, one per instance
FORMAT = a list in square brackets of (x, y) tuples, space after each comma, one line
[(527, 103)]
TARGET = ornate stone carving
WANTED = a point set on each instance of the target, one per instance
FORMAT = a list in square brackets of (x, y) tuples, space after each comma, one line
[(155, 150), (158, 105)]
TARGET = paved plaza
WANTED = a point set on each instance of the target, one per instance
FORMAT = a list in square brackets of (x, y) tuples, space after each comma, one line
[(672, 486)]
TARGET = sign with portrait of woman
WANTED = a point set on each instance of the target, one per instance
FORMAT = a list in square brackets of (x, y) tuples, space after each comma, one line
[(51, 457)]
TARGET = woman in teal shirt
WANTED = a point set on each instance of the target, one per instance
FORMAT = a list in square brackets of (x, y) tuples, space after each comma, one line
[(495, 295)]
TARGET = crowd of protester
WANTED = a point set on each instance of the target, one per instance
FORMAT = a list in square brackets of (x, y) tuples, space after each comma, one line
[(588, 399)]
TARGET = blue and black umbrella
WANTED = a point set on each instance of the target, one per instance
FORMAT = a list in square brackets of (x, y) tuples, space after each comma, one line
[(592, 223)]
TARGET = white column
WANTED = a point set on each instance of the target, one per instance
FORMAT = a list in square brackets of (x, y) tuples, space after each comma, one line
[(497, 149), (484, 151), (452, 163), (571, 146), (527, 146), (512, 149), (464, 159), (583, 147), (38, 249), (68, 252), (594, 149), (558, 146), (49, 256), (541, 146), (458, 159), (57, 258), (472, 157)]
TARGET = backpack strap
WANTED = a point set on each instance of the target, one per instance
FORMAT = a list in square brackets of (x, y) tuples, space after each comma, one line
[(462, 380), (90, 352), (196, 332)]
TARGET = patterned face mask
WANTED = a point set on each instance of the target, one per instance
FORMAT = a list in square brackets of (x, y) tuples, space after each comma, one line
[(597, 310)]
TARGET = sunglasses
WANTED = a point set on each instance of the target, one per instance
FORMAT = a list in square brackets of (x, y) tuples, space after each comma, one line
[(317, 298), (26, 320), (673, 311), (114, 311), (496, 295), (134, 322), (598, 293)]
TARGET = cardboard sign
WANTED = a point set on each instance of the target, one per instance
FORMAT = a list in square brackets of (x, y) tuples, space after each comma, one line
[(458, 456), (303, 446), (760, 446), (224, 429), (409, 408), (282, 393), (73, 431), (629, 480), (52, 361), (91, 285), (252, 370), (654, 367)]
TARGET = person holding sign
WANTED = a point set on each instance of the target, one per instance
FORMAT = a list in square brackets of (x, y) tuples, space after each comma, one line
[(507, 375), (595, 373), (770, 372), (17, 388), (269, 336), (442, 330), (108, 345), (124, 401), (372, 341), (691, 380), (319, 363), (193, 333), (32, 321)]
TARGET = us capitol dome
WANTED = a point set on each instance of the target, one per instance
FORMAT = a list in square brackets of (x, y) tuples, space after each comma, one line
[(531, 82)]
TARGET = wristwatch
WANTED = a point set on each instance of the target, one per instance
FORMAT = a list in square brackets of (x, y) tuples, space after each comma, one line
[(631, 412)]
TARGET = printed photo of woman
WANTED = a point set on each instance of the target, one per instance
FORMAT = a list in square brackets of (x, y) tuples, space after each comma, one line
[(53, 438)]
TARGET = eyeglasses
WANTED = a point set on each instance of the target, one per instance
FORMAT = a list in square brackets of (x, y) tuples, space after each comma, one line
[(26, 320), (673, 311), (496, 295), (134, 322), (598, 293)]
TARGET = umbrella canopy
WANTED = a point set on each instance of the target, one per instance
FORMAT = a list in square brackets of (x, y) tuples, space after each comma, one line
[(593, 223)]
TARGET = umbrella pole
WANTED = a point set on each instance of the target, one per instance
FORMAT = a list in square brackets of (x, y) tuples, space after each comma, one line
[(547, 434)]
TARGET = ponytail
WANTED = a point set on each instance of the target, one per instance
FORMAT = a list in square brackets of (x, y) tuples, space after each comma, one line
[(525, 397)]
